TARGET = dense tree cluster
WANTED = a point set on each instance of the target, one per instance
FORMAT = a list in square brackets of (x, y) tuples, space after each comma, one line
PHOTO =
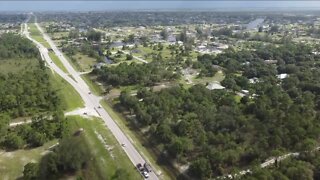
[(12, 18), (69, 156), (13, 46), (42, 129), (142, 74), (28, 93), (216, 133), (93, 35), (306, 166)]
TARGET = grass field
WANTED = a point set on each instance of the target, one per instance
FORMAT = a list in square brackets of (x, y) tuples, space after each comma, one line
[(12, 163), (35, 34), (108, 155), (16, 65), (124, 126), (85, 62), (57, 61), (70, 97), (219, 76)]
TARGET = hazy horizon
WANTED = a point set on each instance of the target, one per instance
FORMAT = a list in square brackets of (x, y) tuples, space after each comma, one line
[(40, 6)]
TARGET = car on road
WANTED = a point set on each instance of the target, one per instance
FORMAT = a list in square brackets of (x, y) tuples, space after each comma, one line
[(89, 92), (145, 174), (147, 167), (123, 145), (140, 167), (85, 113)]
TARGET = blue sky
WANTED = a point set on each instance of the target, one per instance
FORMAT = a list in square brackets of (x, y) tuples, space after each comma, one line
[(156, 5)]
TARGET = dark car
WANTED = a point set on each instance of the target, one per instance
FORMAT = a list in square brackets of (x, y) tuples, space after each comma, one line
[(140, 167), (147, 167)]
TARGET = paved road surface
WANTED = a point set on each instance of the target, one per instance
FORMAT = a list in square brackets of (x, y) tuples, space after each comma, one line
[(91, 101)]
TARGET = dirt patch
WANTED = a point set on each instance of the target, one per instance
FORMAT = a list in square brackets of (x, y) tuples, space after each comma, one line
[(103, 141)]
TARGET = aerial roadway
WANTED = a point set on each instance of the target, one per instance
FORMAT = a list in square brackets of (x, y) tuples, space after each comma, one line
[(91, 101)]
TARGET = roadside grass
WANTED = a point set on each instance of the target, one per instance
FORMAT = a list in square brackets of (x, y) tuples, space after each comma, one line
[(108, 156), (94, 87), (36, 35), (69, 96), (136, 140), (12, 163), (57, 61), (16, 65)]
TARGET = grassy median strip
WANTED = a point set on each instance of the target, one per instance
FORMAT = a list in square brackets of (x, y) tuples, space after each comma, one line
[(57, 61), (36, 35), (109, 160), (70, 97), (135, 140)]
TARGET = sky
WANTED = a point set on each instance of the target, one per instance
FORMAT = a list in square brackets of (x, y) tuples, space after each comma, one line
[(34, 6)]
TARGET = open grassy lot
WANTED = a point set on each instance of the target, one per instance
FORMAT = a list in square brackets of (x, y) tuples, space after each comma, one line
[(58, 35), (35, 34), (219, 76), (136, 139), (85, 62), (108, 156), (70, 97), (12, 163), (16, 65), (57, 61)]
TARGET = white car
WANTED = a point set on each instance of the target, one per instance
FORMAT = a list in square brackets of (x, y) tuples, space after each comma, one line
[(145, 174)]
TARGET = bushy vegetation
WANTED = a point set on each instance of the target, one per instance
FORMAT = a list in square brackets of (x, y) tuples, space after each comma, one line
[(306, 166), (135, 74), (27, 93), (216, 133), (13, 46)]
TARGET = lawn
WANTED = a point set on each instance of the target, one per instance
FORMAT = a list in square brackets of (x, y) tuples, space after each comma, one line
[(108, 155), (70, 97), (16, 65), (57, 61), (36, 35), (219, 76), (136, 140), (12, 163)]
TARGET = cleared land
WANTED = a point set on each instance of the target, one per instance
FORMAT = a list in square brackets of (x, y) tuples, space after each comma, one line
[(85, 62), (12, 163)]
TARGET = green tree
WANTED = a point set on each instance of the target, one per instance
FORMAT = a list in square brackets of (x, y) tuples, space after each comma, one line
[(30, 171)]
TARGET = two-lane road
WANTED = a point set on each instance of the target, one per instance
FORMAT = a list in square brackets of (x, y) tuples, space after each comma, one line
[(91, 101)]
